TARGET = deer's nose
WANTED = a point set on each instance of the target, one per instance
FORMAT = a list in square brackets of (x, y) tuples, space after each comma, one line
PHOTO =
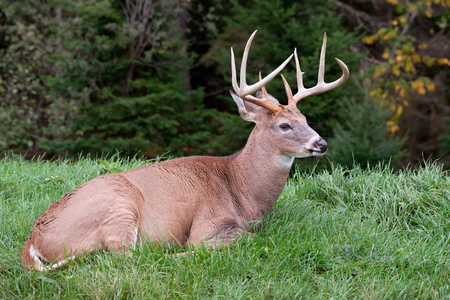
[(321, 144)]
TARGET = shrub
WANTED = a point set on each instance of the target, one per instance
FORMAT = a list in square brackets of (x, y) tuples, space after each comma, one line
[(364, 137)]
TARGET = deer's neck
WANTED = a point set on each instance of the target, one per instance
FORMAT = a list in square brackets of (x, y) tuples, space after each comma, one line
[(262, 172)]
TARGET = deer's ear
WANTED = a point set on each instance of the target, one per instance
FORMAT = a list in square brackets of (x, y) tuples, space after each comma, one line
[(249, 111), (247, 115), (260, 95)]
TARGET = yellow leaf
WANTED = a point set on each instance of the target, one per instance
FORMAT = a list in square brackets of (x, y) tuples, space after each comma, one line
[(409, 68), (416, 58), (417, 84), (399, 111), (402, 93), (368, 40), (385, 55), (431, 86), (393, 107), (379, 70), (428, 14), (422, 91), (392, 127), (429, 61), (444, 61), (396, 72)]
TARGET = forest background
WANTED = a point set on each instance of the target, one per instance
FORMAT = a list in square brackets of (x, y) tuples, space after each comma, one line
[(152, 77)]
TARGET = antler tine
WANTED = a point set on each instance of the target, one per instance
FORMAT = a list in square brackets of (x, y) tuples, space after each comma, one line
[(321, 86), (299, 78), (263, 88), (245, 90), (321, 75), (288, 90), (299, 71)]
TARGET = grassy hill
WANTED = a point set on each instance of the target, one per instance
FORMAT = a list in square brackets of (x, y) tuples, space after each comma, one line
[(364, 234)]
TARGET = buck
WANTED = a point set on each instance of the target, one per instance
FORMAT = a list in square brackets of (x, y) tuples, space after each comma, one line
[(190, 200)]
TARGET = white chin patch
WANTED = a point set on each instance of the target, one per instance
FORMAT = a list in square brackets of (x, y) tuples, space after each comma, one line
[(303, 154), (316, 153)]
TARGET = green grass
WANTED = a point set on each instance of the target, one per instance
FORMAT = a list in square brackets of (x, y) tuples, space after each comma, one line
[(345, 234)]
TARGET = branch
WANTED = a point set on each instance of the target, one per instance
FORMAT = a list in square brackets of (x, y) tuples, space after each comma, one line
[(411, 19), (362, 18)]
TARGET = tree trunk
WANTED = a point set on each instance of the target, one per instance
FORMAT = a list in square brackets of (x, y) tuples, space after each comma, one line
[(127, 81)]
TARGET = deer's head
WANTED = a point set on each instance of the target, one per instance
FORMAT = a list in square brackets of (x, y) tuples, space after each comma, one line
[(284, 126)]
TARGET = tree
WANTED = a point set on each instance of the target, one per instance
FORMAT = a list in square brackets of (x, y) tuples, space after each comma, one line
[(25, 60), (127, 55), (145, 21), (364, 136)]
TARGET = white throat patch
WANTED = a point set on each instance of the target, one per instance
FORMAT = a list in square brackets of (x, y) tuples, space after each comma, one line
[(284, 161)]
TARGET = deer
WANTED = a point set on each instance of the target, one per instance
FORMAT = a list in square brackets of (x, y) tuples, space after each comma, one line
[(189, 201)]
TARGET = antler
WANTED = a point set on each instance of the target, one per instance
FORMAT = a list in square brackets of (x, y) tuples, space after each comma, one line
[(245, 90), (321, 86)]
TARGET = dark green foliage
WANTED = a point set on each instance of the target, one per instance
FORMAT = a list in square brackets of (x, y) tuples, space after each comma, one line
[(363, 137), (24, 51), (166, 120), (74, 77), (130, 105)]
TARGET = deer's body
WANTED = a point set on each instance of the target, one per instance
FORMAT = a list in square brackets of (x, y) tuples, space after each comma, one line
[(185, 201)]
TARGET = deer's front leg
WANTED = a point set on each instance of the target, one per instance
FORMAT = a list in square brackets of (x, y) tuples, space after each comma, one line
[(215, 233), (224, 237)]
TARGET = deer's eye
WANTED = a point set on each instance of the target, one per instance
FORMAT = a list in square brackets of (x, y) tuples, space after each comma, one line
[(285, 126)]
